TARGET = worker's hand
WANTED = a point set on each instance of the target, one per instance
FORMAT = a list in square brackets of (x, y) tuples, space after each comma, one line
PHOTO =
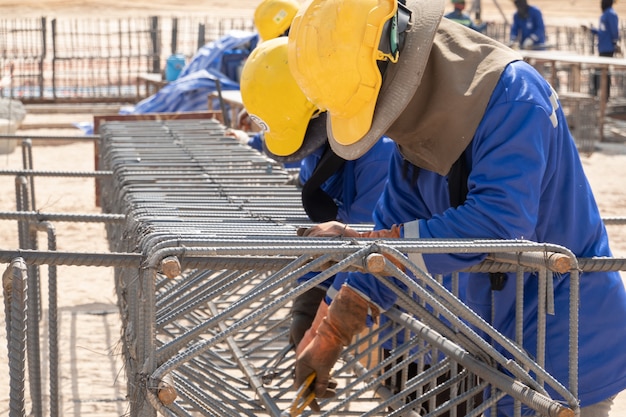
[(345, 318), (244, 122), (528, 43), (329, 229), (393, 233), (305, 340), (319, 356), (240, 135), (336, 229)]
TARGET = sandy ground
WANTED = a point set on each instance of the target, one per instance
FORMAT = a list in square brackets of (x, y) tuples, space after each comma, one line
[(92, 382), (555, 11)]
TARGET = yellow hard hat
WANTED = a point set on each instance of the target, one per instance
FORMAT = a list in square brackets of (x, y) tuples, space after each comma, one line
[(272, 18), (337, 65), (273, 99), (335, 49)]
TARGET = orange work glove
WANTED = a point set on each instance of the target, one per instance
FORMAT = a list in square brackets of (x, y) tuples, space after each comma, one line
[(322, 312), (345, 318)]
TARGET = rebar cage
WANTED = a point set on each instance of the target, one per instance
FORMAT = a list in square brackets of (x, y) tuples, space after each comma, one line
[(206, 315), (203, 237)]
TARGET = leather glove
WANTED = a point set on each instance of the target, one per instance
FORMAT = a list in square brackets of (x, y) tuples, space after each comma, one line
[(322, 312), (393, 233), (303, 312), (345, 318)]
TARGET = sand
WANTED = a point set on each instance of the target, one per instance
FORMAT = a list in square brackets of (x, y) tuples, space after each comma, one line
[(92, 380)]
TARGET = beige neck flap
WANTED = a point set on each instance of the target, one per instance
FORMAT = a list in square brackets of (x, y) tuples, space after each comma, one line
[(439, 122)]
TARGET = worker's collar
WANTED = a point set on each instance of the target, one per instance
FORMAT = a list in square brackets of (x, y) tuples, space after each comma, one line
[(439, 121)]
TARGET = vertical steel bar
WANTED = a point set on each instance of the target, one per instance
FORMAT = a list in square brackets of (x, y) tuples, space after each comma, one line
[(15, 285)]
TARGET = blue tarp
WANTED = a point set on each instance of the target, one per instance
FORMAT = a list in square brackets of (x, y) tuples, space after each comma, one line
[(220, 59), (188, 93)]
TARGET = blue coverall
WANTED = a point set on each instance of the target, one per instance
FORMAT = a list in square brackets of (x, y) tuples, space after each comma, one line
[(607, 32), (357, 186), (526, 181)]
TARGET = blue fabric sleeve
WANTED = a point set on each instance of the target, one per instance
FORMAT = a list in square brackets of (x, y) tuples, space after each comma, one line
[(539, 30), (366, 184), (256, 142)]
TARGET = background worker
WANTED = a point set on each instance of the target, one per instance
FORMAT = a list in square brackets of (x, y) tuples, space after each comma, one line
[(459, 16), (505, 170), (528, 30), (272, 18), (608, 39), (295, 129)]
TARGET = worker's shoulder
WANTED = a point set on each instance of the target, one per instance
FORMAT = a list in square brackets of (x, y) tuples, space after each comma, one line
[(520, 83)]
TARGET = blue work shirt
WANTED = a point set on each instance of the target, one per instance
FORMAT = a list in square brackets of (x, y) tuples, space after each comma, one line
[(530, 27), (358, 184), (526, 181), (607, 31), (355, 188)]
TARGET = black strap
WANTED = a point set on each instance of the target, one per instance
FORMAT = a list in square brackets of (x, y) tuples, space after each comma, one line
[(457, 182), (319, 206), (457, 188)]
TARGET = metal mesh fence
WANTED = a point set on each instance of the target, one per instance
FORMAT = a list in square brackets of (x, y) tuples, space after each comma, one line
[(581, 111), (97, 60)]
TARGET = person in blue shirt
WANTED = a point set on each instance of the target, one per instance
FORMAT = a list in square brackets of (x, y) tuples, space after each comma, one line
[(332, 188), (521, 177), (608, 38), (527, 30), (459, 16)]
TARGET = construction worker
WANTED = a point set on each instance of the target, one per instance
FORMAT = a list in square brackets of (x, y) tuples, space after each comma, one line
[(459, 16), (608, 39), (608, 30), (527, 30), (508, 169), (295, 129), (272, 18)]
